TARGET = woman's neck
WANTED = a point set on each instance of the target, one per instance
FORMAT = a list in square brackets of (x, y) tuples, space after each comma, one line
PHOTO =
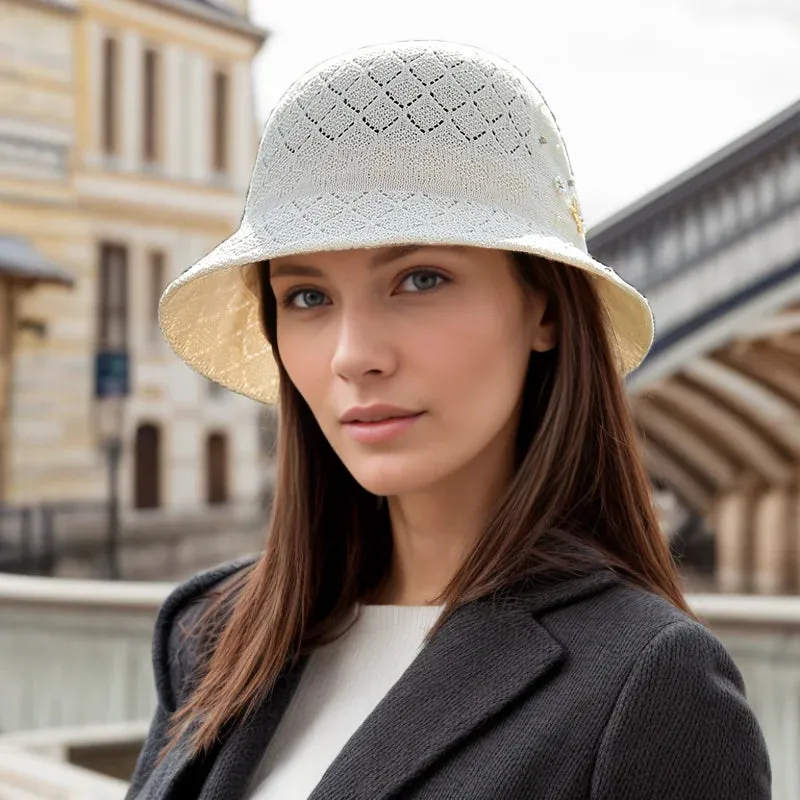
[(432, 534)]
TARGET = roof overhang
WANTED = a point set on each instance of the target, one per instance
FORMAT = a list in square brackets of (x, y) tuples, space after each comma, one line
[(20, 262)]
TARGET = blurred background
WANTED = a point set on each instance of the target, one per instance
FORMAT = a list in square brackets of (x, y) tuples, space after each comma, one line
[(128, 130)]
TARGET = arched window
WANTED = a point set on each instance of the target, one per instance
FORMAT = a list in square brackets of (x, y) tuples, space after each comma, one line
[(147, 475), (217, 469)]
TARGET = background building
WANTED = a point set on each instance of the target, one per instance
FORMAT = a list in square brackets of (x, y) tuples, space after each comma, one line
[(127, 136)]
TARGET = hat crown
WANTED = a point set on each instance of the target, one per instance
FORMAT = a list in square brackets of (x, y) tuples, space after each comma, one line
[(435, 118)]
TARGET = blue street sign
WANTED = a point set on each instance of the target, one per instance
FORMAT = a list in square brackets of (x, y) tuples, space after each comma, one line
[(111, 374)]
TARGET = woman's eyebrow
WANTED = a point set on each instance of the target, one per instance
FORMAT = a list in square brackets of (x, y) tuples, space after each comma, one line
[(295, 270), (384, 256), (381, 257)]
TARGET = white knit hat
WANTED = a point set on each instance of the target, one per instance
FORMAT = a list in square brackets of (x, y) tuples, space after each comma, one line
[(409, 142)]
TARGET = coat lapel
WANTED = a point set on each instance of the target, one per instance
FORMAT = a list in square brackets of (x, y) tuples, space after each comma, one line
[(244, 748), (485, 656), (167, 780), (227, 774)]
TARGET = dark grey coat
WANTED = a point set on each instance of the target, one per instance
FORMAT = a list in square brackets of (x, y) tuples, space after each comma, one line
[(589, 689)]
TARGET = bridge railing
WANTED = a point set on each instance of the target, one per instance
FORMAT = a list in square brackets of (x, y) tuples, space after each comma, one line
[(762, 635)]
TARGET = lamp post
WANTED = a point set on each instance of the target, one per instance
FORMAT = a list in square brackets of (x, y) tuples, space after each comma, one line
[(112, 386)]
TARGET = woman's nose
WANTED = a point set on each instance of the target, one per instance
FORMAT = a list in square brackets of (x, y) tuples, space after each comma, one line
[(362, 347)]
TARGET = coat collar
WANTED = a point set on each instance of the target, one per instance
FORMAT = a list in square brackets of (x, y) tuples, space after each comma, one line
[(489, 653)]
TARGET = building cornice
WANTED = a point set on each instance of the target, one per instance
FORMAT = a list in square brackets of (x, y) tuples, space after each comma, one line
[(220, 17), (66, 6), (204, 10)]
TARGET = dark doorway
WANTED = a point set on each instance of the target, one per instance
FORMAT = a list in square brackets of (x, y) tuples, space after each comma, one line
[(217, 468), (147, 489)]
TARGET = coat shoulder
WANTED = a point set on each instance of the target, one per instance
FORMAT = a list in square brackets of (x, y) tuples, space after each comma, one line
[(641, 607), (673, 683), (174, 653), (620, 622)]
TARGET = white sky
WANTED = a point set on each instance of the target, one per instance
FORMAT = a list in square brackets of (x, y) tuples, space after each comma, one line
[(641, 89)]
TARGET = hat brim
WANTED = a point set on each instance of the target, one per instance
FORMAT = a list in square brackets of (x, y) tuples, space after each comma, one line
[(210, 315)]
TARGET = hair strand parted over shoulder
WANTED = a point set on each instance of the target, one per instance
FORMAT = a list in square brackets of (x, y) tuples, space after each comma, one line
[(580, 499)]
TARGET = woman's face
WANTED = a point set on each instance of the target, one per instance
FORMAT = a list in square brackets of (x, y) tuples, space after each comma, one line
[(412, 359)]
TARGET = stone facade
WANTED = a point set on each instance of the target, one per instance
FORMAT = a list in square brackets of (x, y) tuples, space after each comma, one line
[(69, 194)]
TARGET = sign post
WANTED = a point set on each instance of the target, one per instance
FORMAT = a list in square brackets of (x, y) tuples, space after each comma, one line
[(111, 387)]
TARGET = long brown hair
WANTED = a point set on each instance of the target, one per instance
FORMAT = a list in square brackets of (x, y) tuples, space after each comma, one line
[(579, 499)]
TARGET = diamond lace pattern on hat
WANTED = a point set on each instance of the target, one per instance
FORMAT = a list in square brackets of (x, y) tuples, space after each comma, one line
[(426, 88), (430, 121)]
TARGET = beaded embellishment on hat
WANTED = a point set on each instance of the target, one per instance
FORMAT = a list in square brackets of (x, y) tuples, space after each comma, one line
[(408, 142)]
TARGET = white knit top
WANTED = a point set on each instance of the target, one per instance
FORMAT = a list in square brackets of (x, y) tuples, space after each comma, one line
[(342, 683)]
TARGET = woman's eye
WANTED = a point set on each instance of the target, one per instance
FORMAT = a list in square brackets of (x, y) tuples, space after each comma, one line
[(306, 298), (422, 281)]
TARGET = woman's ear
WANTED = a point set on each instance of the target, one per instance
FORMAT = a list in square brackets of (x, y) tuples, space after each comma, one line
[(544, 333)]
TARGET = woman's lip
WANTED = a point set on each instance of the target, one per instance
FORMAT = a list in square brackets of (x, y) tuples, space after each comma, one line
[(382, 431)]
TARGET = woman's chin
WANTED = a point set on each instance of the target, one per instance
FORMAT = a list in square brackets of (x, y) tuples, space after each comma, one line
[(394, 476)]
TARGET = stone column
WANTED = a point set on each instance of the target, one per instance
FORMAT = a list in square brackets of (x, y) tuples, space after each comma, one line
[(732, 519), (772, 554), (6, 356), (794, 539)]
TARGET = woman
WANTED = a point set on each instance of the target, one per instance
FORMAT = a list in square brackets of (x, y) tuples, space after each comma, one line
[(464, 592)]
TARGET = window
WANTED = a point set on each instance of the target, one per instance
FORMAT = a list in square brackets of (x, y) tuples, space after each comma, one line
[(217, 469), (109, 100), (219, 122), (112, 328), (151, 108), (147, 475), (157, 279)]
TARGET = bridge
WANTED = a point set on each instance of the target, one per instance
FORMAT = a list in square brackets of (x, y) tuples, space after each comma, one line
[(717, 252)]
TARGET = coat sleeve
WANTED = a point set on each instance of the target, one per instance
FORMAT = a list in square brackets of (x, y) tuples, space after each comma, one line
[(681, 728), (174, 659)]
